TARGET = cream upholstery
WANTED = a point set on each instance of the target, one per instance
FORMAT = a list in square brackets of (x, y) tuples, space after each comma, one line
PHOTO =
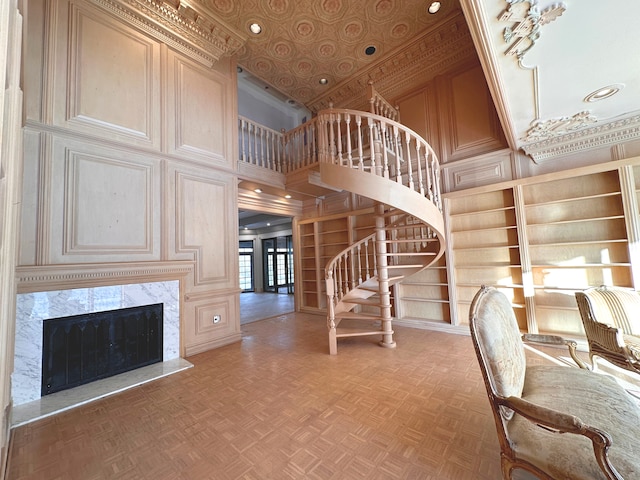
[(611, 319), (556, 422)]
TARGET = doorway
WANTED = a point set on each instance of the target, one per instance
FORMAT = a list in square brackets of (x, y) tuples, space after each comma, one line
[(278, 264)]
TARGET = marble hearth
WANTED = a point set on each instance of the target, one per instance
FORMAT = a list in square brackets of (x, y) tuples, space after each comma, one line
[(34, 307)]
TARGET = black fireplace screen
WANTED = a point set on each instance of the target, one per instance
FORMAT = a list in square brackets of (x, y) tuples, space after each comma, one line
[(83, 348)]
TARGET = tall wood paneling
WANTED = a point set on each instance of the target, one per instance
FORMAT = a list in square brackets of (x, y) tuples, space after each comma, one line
[(130, 152), (11, 168)]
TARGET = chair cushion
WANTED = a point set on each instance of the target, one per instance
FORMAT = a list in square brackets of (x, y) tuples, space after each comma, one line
[(599, 401)]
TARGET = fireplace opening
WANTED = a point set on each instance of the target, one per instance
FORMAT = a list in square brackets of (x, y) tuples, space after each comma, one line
[(83, 348)]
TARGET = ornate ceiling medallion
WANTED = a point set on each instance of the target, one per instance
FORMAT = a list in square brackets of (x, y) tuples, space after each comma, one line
[(525, 33), (559, 126)]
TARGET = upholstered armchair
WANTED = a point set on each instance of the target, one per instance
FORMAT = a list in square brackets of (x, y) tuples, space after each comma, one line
[(554, 421), (611, 319)]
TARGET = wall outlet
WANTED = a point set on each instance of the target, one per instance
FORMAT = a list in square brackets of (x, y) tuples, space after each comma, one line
[(217, 318)]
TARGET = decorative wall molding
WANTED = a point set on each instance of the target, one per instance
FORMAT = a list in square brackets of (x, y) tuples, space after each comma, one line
[(192, 32), (615, 132), (523, 35), (42, 278)]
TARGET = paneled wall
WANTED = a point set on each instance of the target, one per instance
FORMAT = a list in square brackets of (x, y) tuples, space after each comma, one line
[(130, 157), (455, 114), (10, 170)]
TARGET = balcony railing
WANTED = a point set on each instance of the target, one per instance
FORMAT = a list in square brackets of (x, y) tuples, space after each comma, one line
[(350, 138)]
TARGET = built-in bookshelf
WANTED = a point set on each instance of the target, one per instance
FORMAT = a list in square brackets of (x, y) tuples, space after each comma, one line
[(321, 239), (484, 249), (577, 238), (541, 239)]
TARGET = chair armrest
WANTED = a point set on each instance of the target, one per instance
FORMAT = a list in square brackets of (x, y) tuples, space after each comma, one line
[(610, 338), (556, 421), (632, 343), (555, 340)]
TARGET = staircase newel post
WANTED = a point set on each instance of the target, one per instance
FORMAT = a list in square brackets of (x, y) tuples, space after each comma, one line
[(383, 279)]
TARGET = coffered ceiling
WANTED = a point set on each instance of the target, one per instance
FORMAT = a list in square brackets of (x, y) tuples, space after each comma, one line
[(303, 42)]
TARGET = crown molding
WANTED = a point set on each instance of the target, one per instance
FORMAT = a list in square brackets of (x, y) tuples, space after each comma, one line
[(195, 33), (602, 134)]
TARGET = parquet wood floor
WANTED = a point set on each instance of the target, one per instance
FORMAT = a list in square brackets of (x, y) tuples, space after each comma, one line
[(277, 406)]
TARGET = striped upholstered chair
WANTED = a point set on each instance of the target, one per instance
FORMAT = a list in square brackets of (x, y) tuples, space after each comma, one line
[(611, 319)]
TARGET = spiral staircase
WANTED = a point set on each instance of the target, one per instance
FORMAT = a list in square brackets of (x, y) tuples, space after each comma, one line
[(373, 156), (381, 159)]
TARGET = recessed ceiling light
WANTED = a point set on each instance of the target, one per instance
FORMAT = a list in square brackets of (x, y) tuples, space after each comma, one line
[(287, 196), (370, 50), (604, 92), (255, 28), (323, 81), (268, 224), (257, 190), (434, 7)]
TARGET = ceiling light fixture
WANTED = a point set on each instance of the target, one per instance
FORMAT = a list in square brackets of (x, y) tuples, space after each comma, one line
[(370, 50), (255, 28), (604, 92), (434, 7), (257, 190), (287, 196), (323, 81)]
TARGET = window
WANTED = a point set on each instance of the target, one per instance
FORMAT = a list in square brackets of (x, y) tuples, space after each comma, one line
[(246, 265)]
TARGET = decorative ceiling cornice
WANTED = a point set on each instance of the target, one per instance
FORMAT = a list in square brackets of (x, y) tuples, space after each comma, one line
[(195, 33), (525, 33), (433, 53), (602, 134), (544, 130)]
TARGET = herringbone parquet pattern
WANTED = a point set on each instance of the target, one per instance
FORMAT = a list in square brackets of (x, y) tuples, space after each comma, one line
[(277, 406)]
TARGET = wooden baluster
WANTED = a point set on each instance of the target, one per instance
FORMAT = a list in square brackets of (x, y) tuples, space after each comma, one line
[(374, 145), (347, 119), (419, 167), (346, 272), (407, 148), (243, 154), (313, 133), (359, 263), (332, 138), (339, 158), (263, 155), (360, 147), (339, 278), (366, 260), (385, 152)]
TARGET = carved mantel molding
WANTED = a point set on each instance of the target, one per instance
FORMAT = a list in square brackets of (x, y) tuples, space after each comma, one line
[(194, 33), (61, 277), (602, 134)]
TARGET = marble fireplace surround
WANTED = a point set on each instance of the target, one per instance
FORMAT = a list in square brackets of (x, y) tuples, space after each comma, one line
[(59, 291)]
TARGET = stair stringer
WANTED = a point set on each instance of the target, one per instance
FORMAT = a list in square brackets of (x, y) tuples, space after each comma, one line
[(401, 199)]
